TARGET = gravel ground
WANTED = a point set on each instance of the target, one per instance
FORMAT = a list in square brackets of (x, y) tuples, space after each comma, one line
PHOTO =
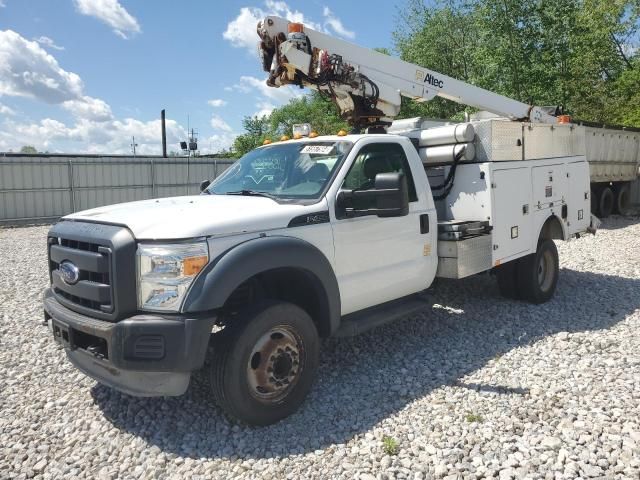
[(476, 386)]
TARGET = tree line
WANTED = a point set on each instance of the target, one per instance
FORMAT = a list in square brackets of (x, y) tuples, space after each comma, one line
[(580, 55)]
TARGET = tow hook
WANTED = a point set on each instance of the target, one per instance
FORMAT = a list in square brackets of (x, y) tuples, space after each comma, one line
[(95, 351)]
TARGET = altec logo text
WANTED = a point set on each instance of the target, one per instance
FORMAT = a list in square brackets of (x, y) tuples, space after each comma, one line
[(431, 80)]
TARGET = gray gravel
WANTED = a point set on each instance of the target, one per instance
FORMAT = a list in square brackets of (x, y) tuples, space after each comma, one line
[(476, 386)]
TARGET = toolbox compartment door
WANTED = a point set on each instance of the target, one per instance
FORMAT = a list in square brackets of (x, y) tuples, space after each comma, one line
[(512, 212), (549, 185), (578, 201)]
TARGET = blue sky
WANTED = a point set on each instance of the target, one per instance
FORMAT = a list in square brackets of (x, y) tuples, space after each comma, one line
[(86, 75)]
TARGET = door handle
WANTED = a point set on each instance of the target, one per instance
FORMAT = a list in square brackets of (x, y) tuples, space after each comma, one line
[(424, 223)]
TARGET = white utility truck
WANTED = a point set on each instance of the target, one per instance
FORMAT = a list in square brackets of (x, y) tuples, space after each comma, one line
[(316, 236)]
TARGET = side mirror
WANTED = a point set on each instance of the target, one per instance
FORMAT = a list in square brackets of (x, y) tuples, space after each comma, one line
[(392, 195), (204, 184)]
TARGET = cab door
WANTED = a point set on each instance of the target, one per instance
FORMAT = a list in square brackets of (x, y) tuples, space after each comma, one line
[(382, 259)]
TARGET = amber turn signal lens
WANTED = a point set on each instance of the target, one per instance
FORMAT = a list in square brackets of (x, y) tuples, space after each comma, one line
[(313, 134), (342, 133), (193, 265), (266, 142), (296, 27), (297, 136), (284, 138)]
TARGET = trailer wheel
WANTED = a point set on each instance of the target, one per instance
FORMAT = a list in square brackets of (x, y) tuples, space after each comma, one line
[(622, 199), (605, 205), (538, 273), (264, 363), (508, 280)]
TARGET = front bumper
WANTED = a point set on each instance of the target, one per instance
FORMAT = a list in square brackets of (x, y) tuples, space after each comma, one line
[(143, 355)]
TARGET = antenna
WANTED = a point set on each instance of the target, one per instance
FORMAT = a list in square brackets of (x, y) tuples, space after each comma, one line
[(133, 145), (190, 147)]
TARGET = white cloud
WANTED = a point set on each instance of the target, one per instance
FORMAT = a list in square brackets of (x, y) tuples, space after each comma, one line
[(216, 143), (27, 70), (241, 31), (2, 4), (217, 102), (47, 42), (87, 136), (264, 109), (4, 110), (259, 87), (111, 13), (335, 24), (217, 123), (89, 108), (267, 98)]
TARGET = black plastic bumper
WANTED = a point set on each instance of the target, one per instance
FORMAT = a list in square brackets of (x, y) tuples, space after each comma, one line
[(143, 355)]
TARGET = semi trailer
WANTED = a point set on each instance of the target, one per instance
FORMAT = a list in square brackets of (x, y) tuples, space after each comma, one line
[(614, 162), (316, 236)]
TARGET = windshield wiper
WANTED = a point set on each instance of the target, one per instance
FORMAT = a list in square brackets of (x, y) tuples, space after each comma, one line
[(253, 193)]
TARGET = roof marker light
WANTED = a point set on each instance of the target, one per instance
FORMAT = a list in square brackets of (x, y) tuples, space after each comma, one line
[(296, 27)]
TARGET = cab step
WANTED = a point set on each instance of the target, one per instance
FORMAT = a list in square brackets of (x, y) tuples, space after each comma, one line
[(359, 322)]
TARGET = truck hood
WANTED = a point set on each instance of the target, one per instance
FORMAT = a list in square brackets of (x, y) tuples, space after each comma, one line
[(198, 215)]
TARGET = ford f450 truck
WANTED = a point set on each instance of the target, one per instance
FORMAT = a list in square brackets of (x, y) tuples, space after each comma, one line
[(309, 238)]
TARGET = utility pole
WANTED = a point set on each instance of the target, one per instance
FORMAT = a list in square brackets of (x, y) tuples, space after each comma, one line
[(133, 145)]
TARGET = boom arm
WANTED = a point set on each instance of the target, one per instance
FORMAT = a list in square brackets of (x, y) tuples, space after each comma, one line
[(366, 85)]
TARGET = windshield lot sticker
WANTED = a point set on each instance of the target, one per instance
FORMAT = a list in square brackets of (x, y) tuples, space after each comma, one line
[(321, 149)]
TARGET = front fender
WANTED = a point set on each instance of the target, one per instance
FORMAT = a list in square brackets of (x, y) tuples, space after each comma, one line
[(223, 275)]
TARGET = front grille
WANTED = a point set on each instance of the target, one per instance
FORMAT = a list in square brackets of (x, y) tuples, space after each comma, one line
[(106, 275), (93, 289)]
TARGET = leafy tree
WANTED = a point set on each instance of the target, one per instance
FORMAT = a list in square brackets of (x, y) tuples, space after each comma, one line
[(581, 54), (257, 129), (313, 108), (28, 149)]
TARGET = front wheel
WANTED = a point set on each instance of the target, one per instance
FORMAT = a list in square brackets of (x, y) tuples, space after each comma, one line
[(538, 273), (264, 362)]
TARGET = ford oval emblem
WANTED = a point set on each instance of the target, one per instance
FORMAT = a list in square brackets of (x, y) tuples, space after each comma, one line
[(69, 272)]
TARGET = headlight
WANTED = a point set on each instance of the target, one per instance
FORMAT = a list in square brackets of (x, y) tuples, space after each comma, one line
[(165, 273)]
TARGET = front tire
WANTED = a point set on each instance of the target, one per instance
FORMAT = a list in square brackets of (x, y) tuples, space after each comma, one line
[(538, 273), (264, 362)]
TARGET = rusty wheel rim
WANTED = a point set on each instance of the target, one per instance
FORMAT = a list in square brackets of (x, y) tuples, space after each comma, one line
[(275, 364)]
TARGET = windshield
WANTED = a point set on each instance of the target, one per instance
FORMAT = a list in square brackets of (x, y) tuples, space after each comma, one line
[(298, 170)]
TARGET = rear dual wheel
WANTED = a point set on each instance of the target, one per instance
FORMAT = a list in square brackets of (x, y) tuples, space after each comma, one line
[(532, 278), (623, 199), (606, 201)]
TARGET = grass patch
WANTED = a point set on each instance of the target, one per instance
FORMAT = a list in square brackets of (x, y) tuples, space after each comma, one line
[(473, 417), (390, 445)]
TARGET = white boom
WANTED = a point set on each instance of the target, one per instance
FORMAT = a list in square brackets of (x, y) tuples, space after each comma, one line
[(365, 84)]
